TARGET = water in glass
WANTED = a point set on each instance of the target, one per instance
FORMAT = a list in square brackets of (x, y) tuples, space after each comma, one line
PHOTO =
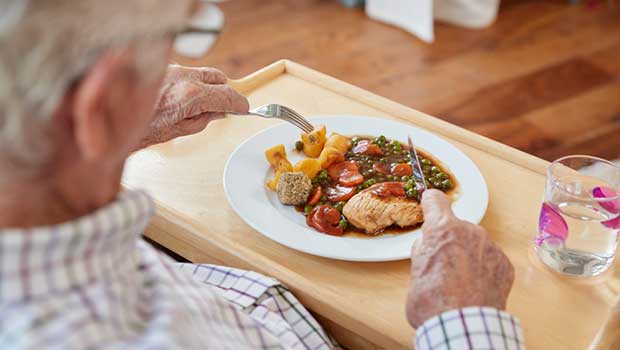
[(579, 218)]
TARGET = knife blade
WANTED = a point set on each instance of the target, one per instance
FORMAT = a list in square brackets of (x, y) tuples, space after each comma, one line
[(416, 168)]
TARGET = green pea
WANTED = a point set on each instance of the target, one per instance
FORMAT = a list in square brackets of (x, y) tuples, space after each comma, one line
[(408, 186), (437, 184), (405, 152), (425, 161), (323, 198), (308, 209), (397, 147), (338, 206), (383, 160), (315, 181), (371, 182), (371, 171), (343, 223), (435, 170), (355, 140), (405, 178), (382, 138), (299, 145), (446, 184), (431, 179), (359, 187), (441, 176)]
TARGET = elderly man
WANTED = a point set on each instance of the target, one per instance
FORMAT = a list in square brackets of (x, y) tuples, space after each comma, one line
[(85, 83)]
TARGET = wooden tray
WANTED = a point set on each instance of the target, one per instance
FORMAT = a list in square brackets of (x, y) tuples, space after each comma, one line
[(361, 303)]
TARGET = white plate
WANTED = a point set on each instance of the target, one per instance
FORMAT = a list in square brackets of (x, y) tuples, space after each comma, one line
[(247, 171)]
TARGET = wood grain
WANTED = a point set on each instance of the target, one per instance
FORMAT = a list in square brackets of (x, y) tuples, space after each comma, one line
[(362, 303), (537, 54)]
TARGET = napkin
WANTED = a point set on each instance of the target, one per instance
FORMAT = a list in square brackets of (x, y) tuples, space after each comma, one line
[(417, 16), (414, 16)]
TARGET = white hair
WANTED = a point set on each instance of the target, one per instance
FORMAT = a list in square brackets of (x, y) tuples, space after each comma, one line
[(46, 45)]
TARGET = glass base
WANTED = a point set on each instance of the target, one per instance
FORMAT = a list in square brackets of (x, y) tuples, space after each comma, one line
[(573, 262)]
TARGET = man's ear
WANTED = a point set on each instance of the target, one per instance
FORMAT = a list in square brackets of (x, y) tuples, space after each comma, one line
[(92, 123)]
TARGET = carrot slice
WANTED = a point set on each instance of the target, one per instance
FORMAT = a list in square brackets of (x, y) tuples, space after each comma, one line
[(339, 193), (346, 173), (351, 178), (388, 189), (337, 169), (315, 195), (325, 219), (402, 170), (366, 147), (382, 168)]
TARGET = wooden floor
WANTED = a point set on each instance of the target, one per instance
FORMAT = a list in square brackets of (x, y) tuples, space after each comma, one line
[(544, 78)]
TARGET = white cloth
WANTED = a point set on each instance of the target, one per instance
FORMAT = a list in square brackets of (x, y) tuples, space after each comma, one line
[(417, 16)]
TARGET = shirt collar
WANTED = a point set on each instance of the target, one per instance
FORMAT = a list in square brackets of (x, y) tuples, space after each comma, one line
[(92, 249)]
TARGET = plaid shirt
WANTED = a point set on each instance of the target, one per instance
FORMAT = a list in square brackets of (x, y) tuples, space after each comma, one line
[(476, 328), (93, 283)]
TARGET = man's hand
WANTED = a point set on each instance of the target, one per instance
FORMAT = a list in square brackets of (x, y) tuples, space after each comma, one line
[(190, 98), (454, 265)]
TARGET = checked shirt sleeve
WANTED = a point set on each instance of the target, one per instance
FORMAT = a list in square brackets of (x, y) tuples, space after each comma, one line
[(267, 302), (473, 328)]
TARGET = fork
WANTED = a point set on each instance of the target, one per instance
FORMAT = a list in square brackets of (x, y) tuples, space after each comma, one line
[(282, 112)]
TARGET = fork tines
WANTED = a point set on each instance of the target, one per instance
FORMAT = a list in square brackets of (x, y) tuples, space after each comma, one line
[(296, 119)]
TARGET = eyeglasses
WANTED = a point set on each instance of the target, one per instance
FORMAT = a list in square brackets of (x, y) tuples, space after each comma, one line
[(194, 30)]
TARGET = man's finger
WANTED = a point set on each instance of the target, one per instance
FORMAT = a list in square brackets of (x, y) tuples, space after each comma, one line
[(220, 98), (437, 208), (197, 124), (204, 75)]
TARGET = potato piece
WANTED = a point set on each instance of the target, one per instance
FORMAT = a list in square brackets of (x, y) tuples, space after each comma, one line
[(339, 142), (274, 154), (284, 165), (330, 156), (314, 142), (273, 184), (310, 167)]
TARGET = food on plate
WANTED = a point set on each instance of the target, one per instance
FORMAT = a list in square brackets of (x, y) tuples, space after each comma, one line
[(383, 205), (310, 167), (313, 142), (276, 156), (293, 188), (326, 219), (334, 150), (360, 183)]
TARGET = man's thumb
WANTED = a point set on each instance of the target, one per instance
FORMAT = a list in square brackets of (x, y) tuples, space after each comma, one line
[(437, 207)]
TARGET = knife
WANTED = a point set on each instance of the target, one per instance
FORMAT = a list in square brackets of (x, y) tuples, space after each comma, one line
[(416, 168)]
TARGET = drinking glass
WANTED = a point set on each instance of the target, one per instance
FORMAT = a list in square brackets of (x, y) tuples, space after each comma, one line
[(580, 216)]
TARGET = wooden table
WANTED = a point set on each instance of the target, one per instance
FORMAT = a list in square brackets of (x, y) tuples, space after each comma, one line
[(360, 303)]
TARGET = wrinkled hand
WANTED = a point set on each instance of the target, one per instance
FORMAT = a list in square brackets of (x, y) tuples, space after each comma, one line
[(189, 99), (454, 265)]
